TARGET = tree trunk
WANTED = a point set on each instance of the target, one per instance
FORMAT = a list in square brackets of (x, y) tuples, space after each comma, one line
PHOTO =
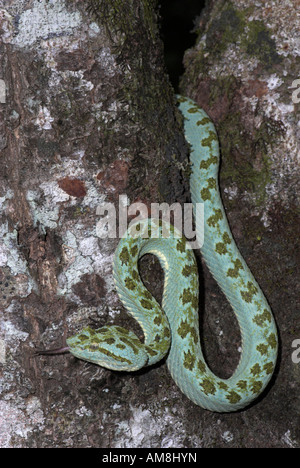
[(244, 72), (88, 115)]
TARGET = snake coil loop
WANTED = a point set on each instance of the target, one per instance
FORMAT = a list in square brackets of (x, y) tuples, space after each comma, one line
[(173, 328)]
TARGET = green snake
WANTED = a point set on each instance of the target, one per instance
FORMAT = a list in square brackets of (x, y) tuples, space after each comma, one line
[(172, 329)]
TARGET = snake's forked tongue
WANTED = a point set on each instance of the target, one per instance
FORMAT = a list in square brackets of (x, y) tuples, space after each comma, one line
[(49, 352)]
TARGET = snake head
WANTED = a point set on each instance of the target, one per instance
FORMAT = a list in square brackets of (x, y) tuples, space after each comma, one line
[(112, 347)]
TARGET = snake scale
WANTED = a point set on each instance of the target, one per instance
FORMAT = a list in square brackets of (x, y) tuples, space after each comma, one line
[(172, 329)]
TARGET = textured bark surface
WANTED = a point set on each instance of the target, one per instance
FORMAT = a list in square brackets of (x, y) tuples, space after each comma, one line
[(87, 115), (242, 72)]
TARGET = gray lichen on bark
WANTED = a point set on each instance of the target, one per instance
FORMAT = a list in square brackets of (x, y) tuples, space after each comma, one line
[(80, 125)]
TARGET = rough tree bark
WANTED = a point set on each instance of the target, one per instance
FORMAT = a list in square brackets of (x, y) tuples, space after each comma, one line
[(84, 100)]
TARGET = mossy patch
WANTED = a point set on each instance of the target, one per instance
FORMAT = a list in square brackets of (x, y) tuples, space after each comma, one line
[(232, 26), (225, 29), (245, 155), (259, 43)]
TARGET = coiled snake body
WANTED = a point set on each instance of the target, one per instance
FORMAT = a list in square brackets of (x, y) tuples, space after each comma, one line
[(172, 330)]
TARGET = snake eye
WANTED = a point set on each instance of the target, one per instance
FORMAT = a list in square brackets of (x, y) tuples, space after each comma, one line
[(112, 347)]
